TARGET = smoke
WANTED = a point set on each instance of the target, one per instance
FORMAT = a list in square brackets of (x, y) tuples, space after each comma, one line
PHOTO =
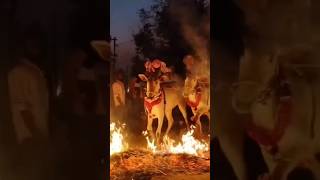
[(195, 27)]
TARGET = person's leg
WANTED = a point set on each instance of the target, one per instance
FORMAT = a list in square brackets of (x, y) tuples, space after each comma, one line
[(82, 151), (123, 114), (18, 157), (116, 114), (32, 158), (76, 151)]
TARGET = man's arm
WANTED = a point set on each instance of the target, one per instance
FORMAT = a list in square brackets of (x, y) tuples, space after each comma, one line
[(29, 121), (37, 100), (120, 101)]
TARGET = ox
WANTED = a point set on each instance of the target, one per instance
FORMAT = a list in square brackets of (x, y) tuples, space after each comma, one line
[(285, 124), (197, 95), (159, 103)]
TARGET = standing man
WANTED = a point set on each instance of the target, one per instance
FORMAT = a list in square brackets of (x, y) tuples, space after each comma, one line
[(136, 110), (119, 95), (30, 109)]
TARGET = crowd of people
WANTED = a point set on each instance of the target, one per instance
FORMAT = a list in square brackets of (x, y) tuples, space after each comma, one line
[(60, 129), (127, 102)]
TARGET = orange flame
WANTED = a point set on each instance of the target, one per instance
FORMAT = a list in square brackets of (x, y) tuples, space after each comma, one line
[(117, 142), (187, 145)]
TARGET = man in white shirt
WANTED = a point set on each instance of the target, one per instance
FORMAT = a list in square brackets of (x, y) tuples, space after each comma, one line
[(30, 108), (119, 95), (29, 99)]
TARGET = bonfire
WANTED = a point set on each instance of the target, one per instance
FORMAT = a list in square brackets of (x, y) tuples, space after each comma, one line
[(187, 156)]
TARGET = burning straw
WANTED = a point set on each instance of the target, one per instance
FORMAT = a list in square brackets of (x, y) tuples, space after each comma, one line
[(189, 156), (188, 145), (117, 143), (138, 164)]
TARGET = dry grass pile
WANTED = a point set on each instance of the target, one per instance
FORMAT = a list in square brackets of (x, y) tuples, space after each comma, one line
[(141, 164)]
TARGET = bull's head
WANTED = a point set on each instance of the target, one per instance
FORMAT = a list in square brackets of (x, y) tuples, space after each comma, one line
[(190, 85), (256, 73), (153, 84)]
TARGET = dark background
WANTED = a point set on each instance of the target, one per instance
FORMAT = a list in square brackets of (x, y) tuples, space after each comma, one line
[(64, 25), (227, 32)]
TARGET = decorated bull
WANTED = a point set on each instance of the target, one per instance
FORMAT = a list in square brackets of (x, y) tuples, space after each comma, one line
[(263, 95), (161, 97), (279, 98), (196, 93)]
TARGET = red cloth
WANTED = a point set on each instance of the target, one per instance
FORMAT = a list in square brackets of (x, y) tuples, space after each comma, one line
[(194, 104), (149, 105), (271, 138)]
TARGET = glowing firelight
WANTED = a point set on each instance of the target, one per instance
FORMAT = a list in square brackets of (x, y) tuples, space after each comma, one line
[(151, 144), (117, 143), (188, 145)]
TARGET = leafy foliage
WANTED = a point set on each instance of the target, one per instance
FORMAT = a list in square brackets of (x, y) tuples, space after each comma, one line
[(161, 31)]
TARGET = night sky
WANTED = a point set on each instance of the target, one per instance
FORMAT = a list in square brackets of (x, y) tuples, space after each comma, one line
[(125, 21)]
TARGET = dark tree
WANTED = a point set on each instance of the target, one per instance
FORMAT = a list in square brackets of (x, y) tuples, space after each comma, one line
[(162, 34), (137, 66)]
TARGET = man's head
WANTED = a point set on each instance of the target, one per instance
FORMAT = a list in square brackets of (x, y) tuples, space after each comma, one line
[(189, 62), (119, 75), (33, 43), (190, 85), (32, 49)]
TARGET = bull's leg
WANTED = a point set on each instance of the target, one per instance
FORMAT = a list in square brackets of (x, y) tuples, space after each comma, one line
[(195, 117), (198, 114), (280, 170), (269, 160), (196, 121), (158, 132), (170, 121), (149, 127), (199, 127), (208, 114), (183, 110)]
